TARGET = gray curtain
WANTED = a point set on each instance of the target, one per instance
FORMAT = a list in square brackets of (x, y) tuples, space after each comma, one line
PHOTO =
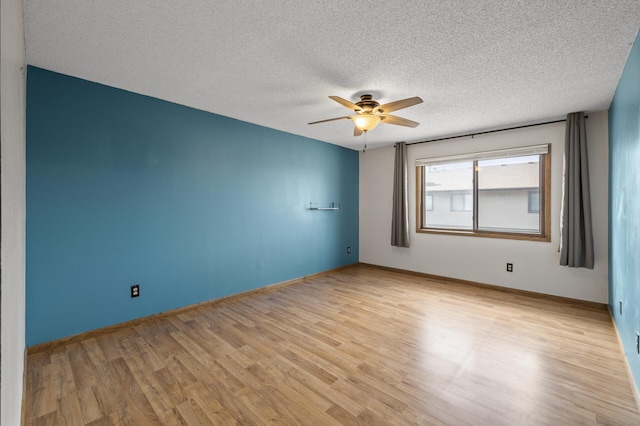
[(576, 239), (400, 213)]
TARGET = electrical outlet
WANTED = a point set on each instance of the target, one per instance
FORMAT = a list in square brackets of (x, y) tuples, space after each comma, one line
[(509, 267), (348, 250), (135, 290)]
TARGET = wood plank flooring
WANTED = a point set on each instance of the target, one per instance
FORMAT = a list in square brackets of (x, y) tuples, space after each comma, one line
[(360, 346)]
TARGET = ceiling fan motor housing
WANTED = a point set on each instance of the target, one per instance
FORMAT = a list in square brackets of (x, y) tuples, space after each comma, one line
[(367, 104)]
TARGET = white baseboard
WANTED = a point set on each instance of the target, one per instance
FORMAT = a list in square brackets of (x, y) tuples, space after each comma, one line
[(632, 382)]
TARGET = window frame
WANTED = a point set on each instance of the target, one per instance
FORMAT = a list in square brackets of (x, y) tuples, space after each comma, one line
[(545, 207)]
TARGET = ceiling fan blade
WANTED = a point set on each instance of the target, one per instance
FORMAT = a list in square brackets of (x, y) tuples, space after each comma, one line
[(404, 103), (356, 131), (398, 121), (330, 119), (346, 103)]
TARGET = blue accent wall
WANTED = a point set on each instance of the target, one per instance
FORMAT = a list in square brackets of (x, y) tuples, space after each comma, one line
[(127, 189), (624, 207)]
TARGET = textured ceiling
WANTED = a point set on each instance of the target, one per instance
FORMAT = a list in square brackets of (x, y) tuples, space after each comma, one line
[(478, 65)]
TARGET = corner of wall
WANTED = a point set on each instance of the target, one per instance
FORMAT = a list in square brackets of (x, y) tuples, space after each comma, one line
[(12, 176)]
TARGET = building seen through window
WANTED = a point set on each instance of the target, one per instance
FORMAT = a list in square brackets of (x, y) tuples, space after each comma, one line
[(495, 195)]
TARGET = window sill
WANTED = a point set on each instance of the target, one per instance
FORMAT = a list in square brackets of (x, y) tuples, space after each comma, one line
[(487, 234)]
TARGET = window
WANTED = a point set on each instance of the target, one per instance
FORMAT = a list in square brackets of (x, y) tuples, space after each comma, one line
[(501, 194), (428, 202), (461, 202), (534, 201)]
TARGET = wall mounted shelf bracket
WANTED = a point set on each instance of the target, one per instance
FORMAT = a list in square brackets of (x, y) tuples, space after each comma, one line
[(333, 206)]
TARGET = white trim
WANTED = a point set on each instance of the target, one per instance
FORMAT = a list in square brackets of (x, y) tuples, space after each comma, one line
[(485, 155)]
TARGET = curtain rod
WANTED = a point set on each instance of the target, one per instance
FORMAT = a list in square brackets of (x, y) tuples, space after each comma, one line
[(490, 131)]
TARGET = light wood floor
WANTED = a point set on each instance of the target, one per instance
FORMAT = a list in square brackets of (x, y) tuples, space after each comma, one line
[(359, 346)]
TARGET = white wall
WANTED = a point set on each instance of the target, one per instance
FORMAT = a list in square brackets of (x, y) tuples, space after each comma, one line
[(12, 255), (536, 264)]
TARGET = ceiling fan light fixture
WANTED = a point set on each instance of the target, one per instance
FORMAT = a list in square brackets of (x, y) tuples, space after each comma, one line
[(366, 122), (369, 113)]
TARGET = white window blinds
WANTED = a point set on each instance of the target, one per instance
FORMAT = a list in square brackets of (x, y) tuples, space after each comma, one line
[(485, 155)]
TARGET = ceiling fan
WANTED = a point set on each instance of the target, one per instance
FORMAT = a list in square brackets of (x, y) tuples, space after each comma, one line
[(369, 113)]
